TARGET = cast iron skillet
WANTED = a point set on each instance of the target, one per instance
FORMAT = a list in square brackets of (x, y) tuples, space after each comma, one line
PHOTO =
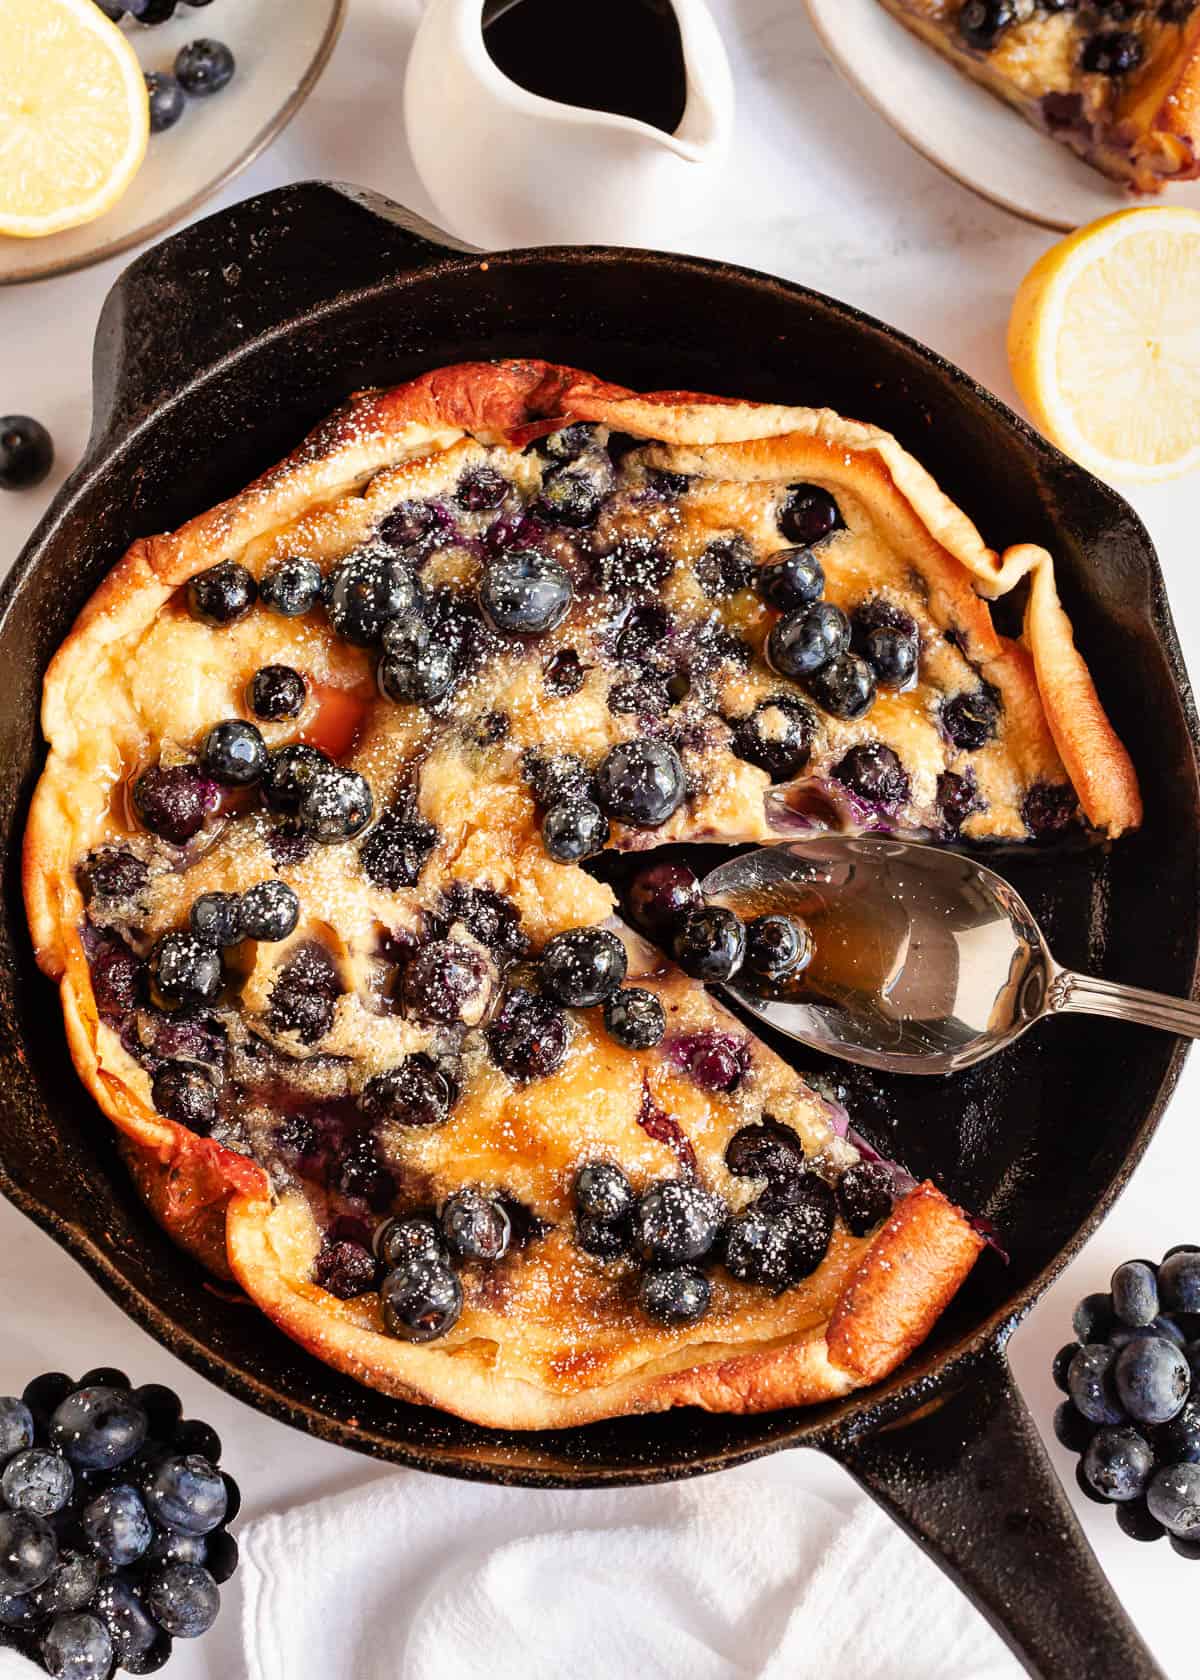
[(215, 351)]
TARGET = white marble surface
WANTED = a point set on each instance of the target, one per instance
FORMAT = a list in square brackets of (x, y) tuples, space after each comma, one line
[(819, 190)]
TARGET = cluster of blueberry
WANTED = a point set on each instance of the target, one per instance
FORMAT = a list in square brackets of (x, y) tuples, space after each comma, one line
[(113, 1527), (1105, 52), (641, 782), (1133, 1412), (710, 942), (202, 68), (420, 1296)]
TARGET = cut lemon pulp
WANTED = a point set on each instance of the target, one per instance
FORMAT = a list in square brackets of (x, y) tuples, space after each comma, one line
[(74, 116), (1104, 344)]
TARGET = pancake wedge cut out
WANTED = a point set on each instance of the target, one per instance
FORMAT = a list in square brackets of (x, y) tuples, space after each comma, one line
[(1119, 85), (325, 769)]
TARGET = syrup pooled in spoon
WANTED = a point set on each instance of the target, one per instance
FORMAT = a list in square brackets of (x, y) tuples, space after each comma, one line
[(621, 56)]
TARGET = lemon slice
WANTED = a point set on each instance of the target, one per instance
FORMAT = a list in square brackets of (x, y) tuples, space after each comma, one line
[(1104, 344), (74, 116)]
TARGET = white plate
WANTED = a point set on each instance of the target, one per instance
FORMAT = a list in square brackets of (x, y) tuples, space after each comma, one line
[(964, 129), (280, 47)]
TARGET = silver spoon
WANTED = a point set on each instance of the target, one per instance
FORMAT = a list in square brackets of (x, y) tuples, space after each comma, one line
[(924, 961)]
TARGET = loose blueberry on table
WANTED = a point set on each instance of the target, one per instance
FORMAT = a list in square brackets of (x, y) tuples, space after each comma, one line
[(1133, 1409), (113, 1524)]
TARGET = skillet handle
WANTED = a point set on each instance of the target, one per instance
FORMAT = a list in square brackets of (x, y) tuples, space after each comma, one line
[(199, 296), (968, 1478)]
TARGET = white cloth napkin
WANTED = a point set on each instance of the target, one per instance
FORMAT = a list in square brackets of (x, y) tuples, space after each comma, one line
[(747, 1573)]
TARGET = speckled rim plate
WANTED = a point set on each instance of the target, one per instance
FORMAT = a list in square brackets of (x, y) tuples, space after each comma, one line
[(966, 131), (277, 68)]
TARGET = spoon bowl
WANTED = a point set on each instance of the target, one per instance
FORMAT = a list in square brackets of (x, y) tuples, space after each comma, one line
[(924, 960)]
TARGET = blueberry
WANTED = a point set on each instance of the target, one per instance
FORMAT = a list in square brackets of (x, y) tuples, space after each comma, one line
[(810, 1209), (583, 967), (357, 1171), (641, 783), (791, 579), (1179, 1282), (971, 719), (570, 498), (475, 1225), (726, 566), (221, 594), (26, 452), (603, 1239), (151, 11), (1062, 1365), (204, 67), (16, 1426), (874, 774), (676, 1222), (344, 1269), (167, 100), (399, 1241), (335, 805), (448, 982), (186, 970), (292, 588), (277, 691), (304, 995), (234, 753), (564, 673), (116, 1525), (1118, 1463), (644, 629), (270, 911), (397, 849), (1093, 1318), (709, 944), (661, 893), (554, 780), (98, 1428), (766, 1150), (195, 1438), (187, 1493), (171, 803), (1112, 52), (714, 1060), (1136, 1523), (777, 947), (1135, 1293), (290, 772), (892, 656), (19, 1610), (758, 1248), (777, 736), (982, 22), (104, 1376), (134, 1635), (416, 1093), (957, 799), (183, 1599), (635, 1018), (71, 1586), (570, 442), (39, 1397), (805, 642), (603, 1192), (1174, 1499), (809, 515), (865, 1194), (845, 688), (528, 1036), (481, 489), (420, 1300), (110, 875), (1152, 1379), (1071, 1429), (415, 670), (524, 592), (216, 918), (365, 592), (1091, 1386), (37, 1480), (28, 1552), (161, 1406), (1047, 810), (575, 829), (490, 916), (674, 1297), (222, 1557), (77, 1647), (1179, 1440)]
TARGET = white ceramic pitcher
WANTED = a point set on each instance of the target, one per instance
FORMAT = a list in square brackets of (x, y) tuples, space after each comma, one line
[(505, 167)]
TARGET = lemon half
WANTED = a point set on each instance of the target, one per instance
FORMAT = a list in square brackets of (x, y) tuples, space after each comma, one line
[(1104, 344), (74, 116)]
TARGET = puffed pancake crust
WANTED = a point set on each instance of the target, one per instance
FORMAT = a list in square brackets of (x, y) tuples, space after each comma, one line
[(475, 628)]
